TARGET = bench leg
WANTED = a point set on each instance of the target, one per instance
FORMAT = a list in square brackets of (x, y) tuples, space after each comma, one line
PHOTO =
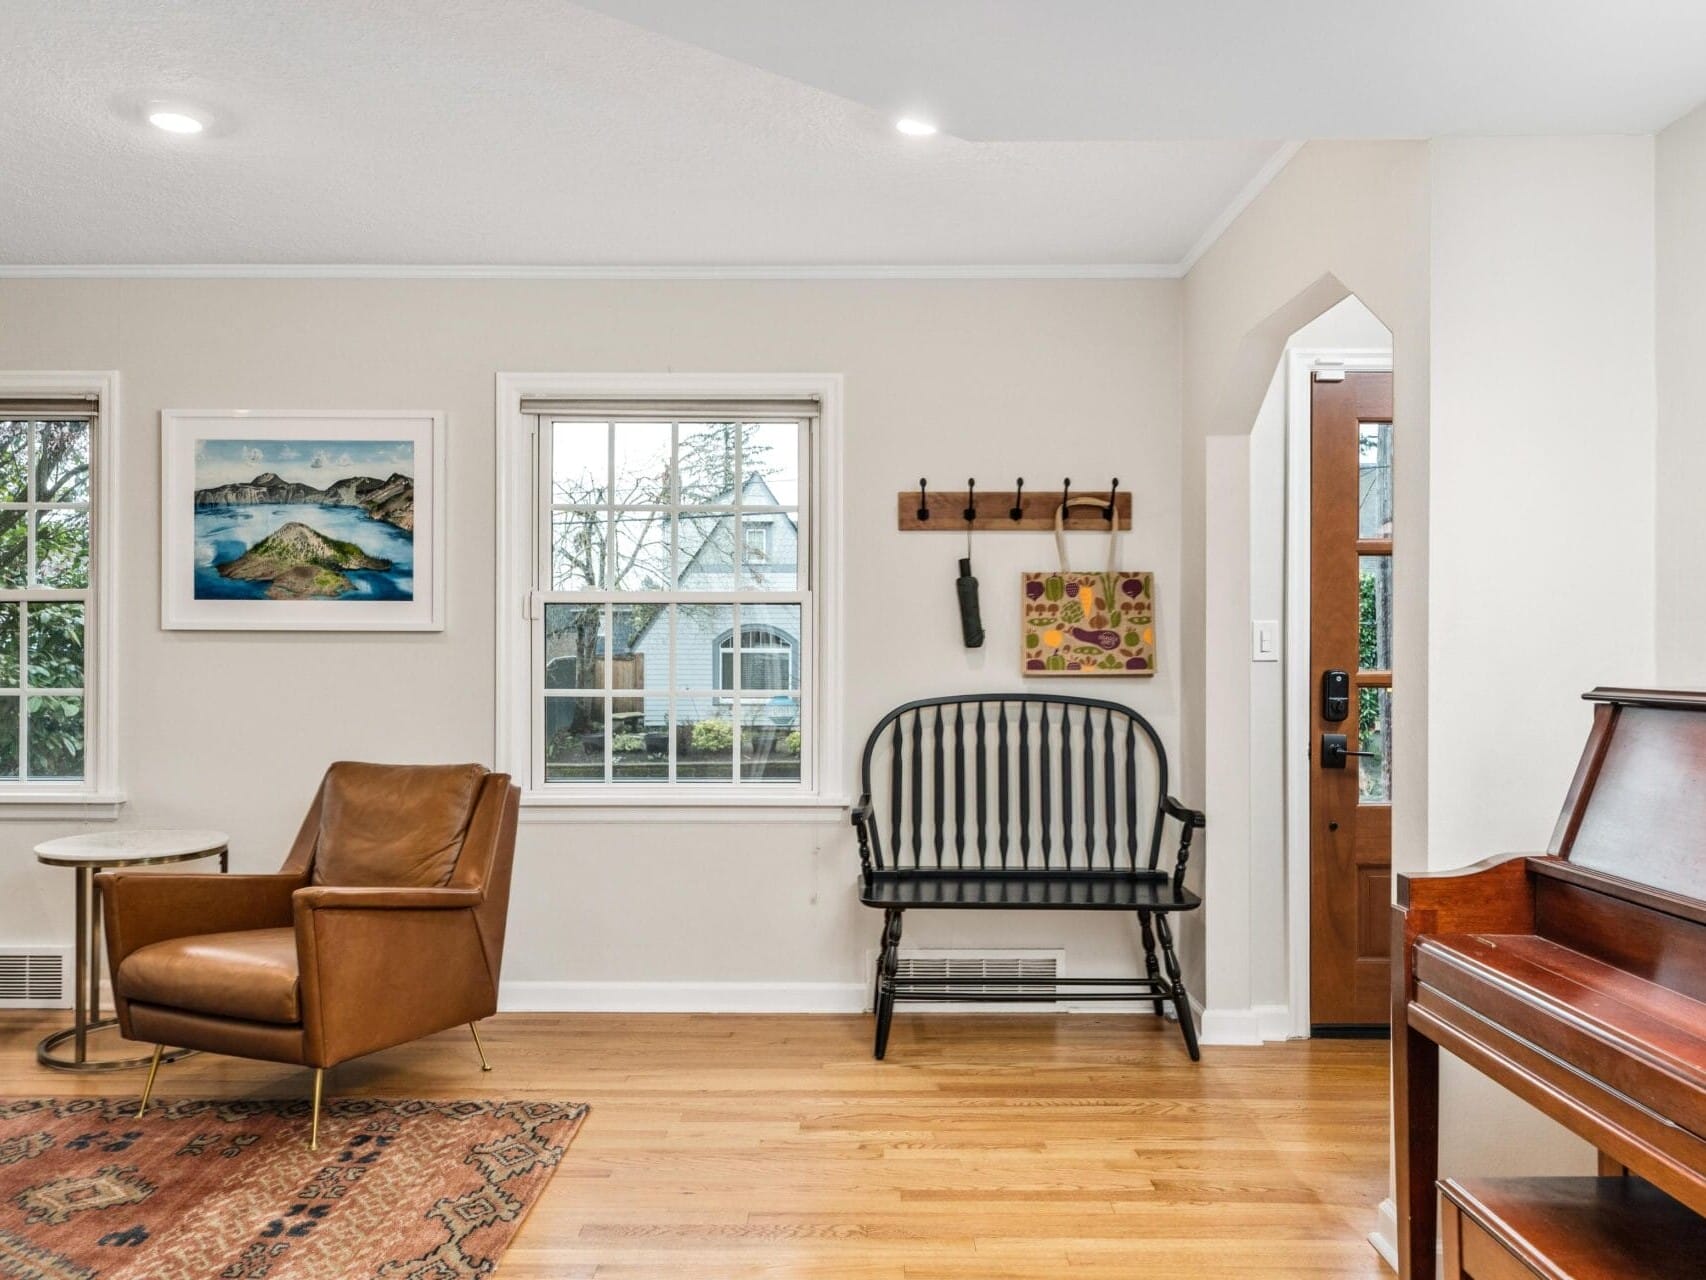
[(1181, 998), (887, 959), (1149, 961)]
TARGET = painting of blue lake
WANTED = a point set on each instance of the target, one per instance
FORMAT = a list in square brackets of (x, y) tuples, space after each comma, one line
[(224, 533), (301, 519)]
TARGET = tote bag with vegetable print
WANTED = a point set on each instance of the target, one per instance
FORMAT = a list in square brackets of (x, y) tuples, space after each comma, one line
[(1087, 624)]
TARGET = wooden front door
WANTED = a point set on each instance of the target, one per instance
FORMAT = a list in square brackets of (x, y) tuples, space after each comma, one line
[(1350, 791)]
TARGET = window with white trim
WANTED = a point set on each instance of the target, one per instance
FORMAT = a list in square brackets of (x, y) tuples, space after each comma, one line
[(673, 616), (48, 610)]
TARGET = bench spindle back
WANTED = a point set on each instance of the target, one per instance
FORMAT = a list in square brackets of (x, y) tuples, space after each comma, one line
[(985, 784)]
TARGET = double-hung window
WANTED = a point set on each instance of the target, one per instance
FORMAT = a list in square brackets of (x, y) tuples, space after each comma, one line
[(673, 614), (51, 470)]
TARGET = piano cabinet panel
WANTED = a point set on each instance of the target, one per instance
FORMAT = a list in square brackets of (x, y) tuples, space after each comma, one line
[(1636, 1038), (1622, 893), (1644, 814), (1650, 941), (1635, 1136), (1494, 895), (1567, 1229)]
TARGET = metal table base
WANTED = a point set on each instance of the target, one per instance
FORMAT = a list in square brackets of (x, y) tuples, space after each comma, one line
[(86, 995)]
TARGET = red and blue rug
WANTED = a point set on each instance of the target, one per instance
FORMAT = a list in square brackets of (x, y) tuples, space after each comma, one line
[(198, 1190)]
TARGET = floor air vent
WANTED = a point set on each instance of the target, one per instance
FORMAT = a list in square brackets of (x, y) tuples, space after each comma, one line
[(35, 979), (1039, 968)]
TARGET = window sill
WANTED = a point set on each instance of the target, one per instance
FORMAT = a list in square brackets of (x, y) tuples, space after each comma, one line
[(626, 807), (60, 806)]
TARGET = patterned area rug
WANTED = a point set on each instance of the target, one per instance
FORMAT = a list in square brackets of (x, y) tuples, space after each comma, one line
[(399, 1190)]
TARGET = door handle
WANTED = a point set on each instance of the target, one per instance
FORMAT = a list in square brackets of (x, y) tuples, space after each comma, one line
[(1335, 750)]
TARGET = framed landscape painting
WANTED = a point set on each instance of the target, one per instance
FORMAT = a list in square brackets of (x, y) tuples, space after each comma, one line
[(302, 521)]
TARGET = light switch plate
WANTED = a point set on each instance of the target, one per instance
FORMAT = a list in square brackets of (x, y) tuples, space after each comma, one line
[(1264, 641)]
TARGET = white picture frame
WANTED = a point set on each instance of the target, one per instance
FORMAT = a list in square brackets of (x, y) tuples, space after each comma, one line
[(352, 566)]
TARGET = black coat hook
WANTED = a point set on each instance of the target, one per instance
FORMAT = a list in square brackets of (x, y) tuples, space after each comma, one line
[(971, 501), (923, 505), (1065, 493), (1017, 510), (1113, 495)]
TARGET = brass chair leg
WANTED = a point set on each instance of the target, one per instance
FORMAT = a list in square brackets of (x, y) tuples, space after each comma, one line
[(148, 1088), (314, 1131), (479, 1048)]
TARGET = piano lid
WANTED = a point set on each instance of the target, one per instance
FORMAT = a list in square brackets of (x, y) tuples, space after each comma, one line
[(1637, 808)]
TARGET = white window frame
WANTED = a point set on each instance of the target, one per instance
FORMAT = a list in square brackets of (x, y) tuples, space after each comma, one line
[(96, 797), (821, 791)]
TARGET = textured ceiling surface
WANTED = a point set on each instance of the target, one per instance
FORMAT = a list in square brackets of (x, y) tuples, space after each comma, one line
[(523, 132), (752, 133), (1030, 69)]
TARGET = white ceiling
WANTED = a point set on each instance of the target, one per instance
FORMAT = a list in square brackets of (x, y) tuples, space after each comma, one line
[(495, 133), (1131, 69)]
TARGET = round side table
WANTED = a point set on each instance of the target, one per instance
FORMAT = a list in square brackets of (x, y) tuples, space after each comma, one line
[(88, 854)]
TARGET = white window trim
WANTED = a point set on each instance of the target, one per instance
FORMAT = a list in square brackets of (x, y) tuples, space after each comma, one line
[(97, 798), (515, 583)]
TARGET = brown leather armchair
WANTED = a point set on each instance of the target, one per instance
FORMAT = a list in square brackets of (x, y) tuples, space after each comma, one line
[(385, 924)]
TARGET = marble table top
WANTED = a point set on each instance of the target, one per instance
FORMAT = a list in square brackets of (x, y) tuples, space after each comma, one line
[(125, 846)]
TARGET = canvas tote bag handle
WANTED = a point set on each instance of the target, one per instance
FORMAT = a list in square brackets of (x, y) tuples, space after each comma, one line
[(1100, 504)]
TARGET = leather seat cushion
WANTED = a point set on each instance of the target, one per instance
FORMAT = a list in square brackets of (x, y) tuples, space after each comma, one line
[(393, 826), (250, 975)]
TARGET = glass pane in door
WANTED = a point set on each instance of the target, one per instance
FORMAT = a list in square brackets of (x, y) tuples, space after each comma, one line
[(1374, 734), (1374, 613), (1374, 480)]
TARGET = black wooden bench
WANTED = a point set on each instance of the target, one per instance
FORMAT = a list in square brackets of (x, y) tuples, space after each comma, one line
[(1021, 802)]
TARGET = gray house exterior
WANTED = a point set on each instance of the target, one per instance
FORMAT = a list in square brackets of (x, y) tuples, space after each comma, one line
[(704, 649)]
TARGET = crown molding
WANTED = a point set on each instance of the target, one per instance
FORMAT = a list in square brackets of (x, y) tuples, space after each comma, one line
[(1270, 170), (382, 271), (1281, 157)]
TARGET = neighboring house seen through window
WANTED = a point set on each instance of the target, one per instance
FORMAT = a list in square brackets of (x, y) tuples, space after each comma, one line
[(766, 659), (673, 600)]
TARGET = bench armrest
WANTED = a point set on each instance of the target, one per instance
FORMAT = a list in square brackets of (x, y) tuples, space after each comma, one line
[(861, 818), (1194, 819), (1191, 821)]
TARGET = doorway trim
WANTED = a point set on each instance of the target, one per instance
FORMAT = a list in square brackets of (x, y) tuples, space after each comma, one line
[(1301, 363)]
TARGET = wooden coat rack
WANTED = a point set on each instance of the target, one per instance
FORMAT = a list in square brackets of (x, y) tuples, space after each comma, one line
[(924, 510)]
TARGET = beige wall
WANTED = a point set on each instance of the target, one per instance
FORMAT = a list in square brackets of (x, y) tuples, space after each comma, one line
[(1543, 457), (1342, 218), (1517, 279), (1541, 527), (944, 379), (1681, 532)]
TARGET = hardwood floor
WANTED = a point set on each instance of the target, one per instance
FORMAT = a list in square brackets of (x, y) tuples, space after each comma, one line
[(985, 1148)]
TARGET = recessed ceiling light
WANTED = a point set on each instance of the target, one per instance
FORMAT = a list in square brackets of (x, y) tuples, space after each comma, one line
[(915, 128), (175, 122)]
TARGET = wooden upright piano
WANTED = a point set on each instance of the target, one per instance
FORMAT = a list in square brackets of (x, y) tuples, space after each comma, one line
[(1575, 978)]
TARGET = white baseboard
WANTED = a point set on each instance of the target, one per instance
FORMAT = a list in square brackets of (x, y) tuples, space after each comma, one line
[(1384, 1237), (684, 997), (745, 997), (749, 997), (1257, 1024)]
